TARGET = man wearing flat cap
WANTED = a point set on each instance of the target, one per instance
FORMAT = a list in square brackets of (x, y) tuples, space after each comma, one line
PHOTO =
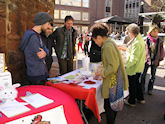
[(35, 50)]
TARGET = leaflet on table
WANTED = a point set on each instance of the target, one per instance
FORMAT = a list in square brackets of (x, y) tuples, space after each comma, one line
[(37, 100), (13, 108), (56, 79)]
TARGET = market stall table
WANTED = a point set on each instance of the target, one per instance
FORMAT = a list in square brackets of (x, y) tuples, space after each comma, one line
[(90, 93), (81, 93), (92, 96), (70, 108)]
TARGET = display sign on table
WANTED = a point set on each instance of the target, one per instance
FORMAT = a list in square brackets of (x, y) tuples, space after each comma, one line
[(5, 76), (2, 62), (52, 116)]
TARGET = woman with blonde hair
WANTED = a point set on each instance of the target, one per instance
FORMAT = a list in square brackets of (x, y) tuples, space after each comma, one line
[(154, 54)]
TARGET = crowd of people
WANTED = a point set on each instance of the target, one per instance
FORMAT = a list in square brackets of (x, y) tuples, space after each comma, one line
[(38, 42)]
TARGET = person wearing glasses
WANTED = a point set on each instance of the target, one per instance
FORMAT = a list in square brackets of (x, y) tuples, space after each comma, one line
[(35, 50)]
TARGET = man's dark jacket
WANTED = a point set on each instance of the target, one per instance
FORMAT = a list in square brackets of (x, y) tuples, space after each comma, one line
[(49, 44), (59, 37)]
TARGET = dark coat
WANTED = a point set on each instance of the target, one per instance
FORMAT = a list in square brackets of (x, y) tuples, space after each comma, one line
[(49, 44), (30, 44), (95, 52), (59, 37)]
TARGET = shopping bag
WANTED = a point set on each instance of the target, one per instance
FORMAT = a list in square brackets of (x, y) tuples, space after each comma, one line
[(116, 93)]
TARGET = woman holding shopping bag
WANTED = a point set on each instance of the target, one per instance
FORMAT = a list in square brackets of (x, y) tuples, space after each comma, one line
[(112, 60)]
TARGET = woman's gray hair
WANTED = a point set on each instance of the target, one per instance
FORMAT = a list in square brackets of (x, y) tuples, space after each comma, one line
[(133, 28)]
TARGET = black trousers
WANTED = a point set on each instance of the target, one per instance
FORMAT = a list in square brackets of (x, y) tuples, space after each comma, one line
[(110, 114), (65, 65), (152, 77), (135, 88), (49, 61)]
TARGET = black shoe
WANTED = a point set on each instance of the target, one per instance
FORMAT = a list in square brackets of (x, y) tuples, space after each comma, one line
[(149, 92), (141, 101), (129, 104)]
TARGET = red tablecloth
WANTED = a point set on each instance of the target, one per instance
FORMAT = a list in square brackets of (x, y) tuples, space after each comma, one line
[(71, 110), (81, 93)]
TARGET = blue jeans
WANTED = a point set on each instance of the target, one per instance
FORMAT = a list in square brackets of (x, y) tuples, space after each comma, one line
[(152, 77)]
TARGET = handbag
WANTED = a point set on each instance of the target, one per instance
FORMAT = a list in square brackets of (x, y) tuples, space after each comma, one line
[(116, 95), (116, 92)]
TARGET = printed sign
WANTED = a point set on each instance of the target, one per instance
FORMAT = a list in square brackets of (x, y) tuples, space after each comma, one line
[(52, 116), (2, 62)]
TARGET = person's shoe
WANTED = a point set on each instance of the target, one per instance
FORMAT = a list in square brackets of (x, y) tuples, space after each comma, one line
[(141, 101), (127, 103), (149, 92)]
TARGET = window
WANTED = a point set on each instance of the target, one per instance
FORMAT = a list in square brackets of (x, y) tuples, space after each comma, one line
[(107, 14), (57, 1), (74, 14), (61, 14), (85, 16), (78, 3), (107, 3), (85, 3), (126, 5), (133, 12), (137, 4), (56, 14), (107, 9), (71, 2)]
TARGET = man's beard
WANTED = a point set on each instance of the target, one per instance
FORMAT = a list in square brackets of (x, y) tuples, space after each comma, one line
[(43, 30)]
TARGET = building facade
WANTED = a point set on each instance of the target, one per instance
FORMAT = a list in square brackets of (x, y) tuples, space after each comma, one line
[(84, 12), (155, 5), (131, 9), (117, 8), (108, 8)]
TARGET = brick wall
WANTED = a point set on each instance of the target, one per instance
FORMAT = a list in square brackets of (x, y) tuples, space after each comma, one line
[(117, 8), (97, 10), (15, 17)]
